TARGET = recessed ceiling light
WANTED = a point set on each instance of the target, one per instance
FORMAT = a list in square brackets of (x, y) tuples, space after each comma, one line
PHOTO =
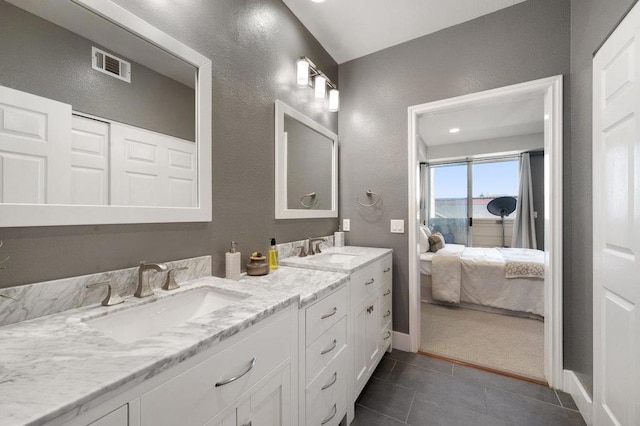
[(318, 1), (454, 130)]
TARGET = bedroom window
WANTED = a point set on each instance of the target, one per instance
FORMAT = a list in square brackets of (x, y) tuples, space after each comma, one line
[(458, 193)]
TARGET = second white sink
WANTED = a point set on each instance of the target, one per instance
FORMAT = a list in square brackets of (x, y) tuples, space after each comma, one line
[(150, 319), (332, 258)]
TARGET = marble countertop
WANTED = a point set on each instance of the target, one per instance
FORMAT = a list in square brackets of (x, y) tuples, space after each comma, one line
[(58, 366), (361, 257)]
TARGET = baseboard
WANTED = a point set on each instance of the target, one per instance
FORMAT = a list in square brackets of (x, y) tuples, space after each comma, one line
[(401, 341), (573, 386)]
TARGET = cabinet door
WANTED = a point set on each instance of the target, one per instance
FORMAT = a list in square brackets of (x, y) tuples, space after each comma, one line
[(366, 343), (270, 405), (118, 417), (373, 332)]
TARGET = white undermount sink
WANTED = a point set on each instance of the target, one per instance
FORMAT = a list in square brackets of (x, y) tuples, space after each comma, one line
[(332, 258), (150, 319)]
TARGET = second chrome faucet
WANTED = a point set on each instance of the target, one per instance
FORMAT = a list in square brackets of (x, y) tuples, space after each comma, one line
[(144, 289)]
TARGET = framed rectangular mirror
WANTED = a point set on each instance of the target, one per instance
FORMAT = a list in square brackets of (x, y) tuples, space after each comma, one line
[(306, 166), (104, 119)]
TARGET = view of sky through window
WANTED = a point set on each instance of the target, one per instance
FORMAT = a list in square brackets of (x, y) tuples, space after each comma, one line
[(490, 179)]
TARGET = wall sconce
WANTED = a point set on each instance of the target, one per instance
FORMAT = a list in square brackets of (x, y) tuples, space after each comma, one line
[(307, 72)]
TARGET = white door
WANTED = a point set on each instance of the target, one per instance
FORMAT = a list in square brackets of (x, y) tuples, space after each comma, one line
[(616, 226), (35, 151), (89, 161)]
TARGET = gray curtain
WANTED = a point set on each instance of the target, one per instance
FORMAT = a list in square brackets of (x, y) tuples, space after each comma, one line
[(424, 170), (524, 226)]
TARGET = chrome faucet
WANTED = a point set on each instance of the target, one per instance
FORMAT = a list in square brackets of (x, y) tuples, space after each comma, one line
[(144, 289), (317, 250)]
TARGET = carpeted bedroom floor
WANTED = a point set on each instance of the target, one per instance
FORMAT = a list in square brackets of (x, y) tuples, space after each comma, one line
[(501, 342)]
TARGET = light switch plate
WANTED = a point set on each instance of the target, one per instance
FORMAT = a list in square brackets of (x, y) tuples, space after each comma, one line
[(397, 226), (535, 215), (346, 225)]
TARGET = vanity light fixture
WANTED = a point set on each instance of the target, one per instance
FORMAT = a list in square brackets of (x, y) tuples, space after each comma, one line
[(454, 130), (307, 72)]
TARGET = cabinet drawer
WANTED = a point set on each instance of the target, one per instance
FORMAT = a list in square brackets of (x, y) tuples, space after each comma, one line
[(386, 268), (386, 314), (386, 293), (193, 397), (321, 316), (365, 282), (325, 349), (326, 396), (386, 335)]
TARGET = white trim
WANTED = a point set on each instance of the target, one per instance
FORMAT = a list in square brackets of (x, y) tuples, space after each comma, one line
[(16, 215), (551, 89), (282, 211), (401, 341), (574, 387)]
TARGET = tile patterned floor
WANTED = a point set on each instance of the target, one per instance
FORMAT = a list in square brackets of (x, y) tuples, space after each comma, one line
[(417, 390)]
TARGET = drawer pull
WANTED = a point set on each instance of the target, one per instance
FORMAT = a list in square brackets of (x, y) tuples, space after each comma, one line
[(328, 419), (388, 335), (370, 309), (387, 314), (388, 269), (388, 292), (233, 379), (325, 316), (333, 346), (335, 379), (370, 282)]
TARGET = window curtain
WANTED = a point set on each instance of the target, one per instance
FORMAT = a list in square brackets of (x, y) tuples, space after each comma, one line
[(424, 189), (524, 226)]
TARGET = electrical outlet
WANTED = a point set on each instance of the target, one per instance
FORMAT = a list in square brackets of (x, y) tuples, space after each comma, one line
[(346, 225), (397, 226)]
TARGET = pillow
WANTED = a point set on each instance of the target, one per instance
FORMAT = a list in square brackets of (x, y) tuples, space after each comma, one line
[(426, 230), (436, 242), (424, 240)]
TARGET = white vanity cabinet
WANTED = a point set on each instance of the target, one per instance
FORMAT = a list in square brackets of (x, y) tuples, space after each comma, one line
[(371, 299), (324, 360)]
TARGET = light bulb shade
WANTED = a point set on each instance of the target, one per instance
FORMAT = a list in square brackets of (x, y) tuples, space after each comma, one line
[(320, 86), (334, 100), (302, 73)]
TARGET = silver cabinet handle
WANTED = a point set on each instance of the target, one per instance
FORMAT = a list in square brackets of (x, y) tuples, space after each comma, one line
[(387, 270), (233, 379), (335, 379), (370, 282), (388, 335), (333, 346), (387, 293), (328, 419), (325, 316), (387, 314)]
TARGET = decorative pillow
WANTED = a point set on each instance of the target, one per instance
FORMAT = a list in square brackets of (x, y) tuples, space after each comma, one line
[(426, 230), (424, 240), (436, 242)]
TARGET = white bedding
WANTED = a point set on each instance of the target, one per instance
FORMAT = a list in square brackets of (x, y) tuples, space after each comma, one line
[(477, 275)]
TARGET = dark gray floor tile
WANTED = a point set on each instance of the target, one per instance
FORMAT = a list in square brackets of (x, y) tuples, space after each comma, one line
[(384, 368), (387, 398), (421, 361), (425, 411), (366, 417), (523, 411), (497, 381), (440, 387), (567, 400)]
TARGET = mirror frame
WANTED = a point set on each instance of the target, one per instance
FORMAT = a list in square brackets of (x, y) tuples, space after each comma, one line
[(20, 215), (282, 210)]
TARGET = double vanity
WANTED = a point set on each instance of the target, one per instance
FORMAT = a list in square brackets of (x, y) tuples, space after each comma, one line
[(294, 347)]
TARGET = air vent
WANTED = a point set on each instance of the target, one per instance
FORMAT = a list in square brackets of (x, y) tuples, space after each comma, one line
[(110, 65)]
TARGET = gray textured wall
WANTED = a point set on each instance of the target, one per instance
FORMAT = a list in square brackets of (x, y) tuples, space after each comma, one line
[(591, 22), (524, 42), (309, 166), (44, 59), (537, 179), (253, 45)]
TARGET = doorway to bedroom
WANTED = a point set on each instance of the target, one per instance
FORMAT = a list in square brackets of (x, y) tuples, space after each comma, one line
[(473, 310), (485, 278)]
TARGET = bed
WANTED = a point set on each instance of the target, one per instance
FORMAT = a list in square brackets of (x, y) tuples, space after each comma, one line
[(506, 278)]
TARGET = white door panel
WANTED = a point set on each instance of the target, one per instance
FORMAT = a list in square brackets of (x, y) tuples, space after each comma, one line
[(89, 161), (616, 225), (35, 151)]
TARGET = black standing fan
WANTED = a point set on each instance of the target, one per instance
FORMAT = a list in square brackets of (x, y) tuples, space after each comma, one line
[(502, 206)]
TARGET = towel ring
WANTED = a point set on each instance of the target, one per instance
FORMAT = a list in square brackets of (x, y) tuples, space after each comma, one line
[(313, 196), (370, 193)]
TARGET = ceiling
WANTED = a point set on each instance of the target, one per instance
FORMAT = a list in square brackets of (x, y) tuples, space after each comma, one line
[(483, 122), (349, 29)]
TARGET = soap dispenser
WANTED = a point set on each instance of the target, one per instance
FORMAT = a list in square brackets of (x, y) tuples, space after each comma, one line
[(232, 262), (273, 255)]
